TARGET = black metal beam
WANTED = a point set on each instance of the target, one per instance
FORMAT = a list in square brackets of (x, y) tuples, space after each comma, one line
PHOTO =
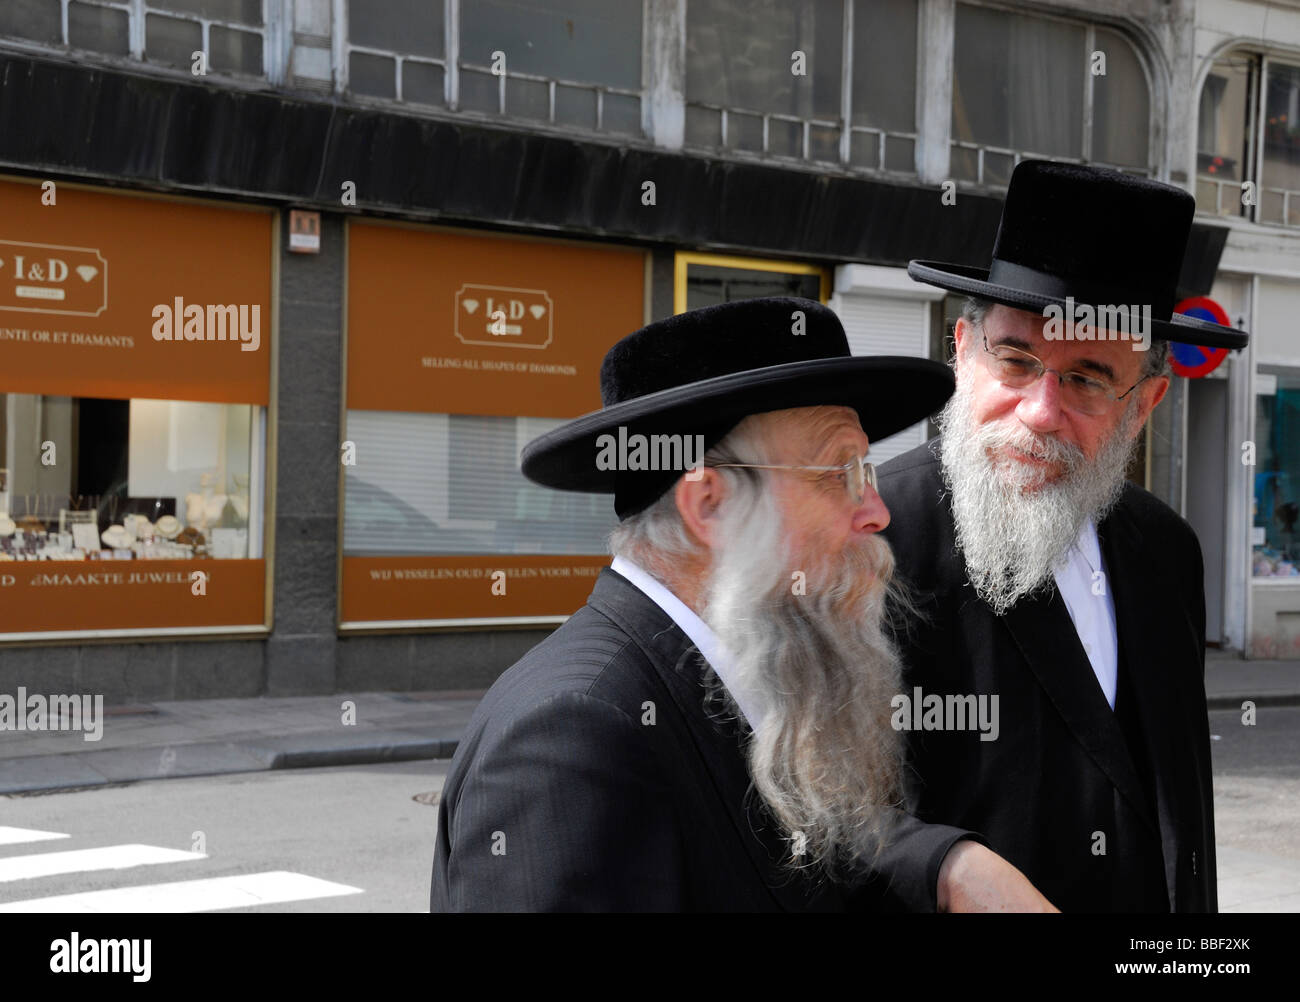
[(125, 128)]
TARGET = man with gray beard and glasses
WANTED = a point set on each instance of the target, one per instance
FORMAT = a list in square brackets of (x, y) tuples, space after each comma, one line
[(1047, 585), (711, 731)]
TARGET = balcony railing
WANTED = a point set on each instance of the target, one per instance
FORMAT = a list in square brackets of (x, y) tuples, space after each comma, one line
[(991, 166), (795, 137), (552, 100), (158, 32), (1220, 196)]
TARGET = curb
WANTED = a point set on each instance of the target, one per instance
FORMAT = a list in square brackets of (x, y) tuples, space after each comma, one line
[(312, 758), (86, 770), (1231, 701)]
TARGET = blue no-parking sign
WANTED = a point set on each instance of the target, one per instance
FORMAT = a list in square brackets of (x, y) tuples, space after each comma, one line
[(1196, 360)]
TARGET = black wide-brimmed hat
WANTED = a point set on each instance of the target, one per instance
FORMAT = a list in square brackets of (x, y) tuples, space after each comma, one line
[(702, 372), (1098, 236)]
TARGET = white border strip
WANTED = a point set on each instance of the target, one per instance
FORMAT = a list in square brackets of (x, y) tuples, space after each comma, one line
[(16, 836), (244, 890), (109, 857)]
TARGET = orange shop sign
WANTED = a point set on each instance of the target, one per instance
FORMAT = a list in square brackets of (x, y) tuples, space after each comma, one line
[(121, 296), (465, 323)]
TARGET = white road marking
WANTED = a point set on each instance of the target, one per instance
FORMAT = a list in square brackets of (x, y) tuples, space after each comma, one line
[(13, 836), (110, 857), (212, 894)]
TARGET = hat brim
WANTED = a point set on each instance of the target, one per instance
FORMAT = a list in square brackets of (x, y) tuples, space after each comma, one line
[(889, 393), (974, 282)]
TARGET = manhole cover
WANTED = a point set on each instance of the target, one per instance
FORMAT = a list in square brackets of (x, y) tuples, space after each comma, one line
[(428, 798)]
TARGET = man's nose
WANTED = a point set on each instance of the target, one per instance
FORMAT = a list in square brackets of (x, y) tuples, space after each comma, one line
[(1040, 404), (871, 515)]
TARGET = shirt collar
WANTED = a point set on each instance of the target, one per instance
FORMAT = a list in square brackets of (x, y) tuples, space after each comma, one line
[(700, 633), (1089, 546)]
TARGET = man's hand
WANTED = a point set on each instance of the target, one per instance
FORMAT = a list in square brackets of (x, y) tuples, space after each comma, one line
[(976, 879)]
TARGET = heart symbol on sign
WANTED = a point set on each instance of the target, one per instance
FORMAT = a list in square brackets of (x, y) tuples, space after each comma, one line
[(537, 311), (87, 271), (469, 304)]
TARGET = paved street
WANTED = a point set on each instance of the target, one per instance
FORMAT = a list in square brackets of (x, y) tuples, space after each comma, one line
[(348, 839), (1257, 809), (354, 839)]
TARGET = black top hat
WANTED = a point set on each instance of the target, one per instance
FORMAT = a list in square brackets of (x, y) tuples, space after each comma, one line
[(1096, 235), (702, 372)]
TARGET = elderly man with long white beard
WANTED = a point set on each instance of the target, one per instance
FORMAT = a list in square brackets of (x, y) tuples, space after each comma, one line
[(711, 732), (1049, 585)]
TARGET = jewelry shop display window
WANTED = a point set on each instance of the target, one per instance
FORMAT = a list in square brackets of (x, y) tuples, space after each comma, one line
[(462, 348), (135, 347)]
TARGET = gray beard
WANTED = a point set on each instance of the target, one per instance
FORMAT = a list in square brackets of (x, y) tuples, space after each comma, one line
[(1013, 536), (820, 666)]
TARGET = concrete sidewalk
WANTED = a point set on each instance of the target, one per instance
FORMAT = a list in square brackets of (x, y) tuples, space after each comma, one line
[(215, 736), (1229, 681), (206, 737)]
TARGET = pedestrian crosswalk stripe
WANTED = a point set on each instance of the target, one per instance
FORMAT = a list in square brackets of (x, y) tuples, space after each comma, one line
[(13, 836), (110, 857), (243, 890)]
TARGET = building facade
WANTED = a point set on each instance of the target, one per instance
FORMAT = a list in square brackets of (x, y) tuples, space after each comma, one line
[(286, 285)]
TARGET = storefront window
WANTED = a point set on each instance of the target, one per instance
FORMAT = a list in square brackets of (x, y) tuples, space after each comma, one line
[(1275, 533), (464, 348), (709, 279), (460, 490), (142, 479), (134, 388)]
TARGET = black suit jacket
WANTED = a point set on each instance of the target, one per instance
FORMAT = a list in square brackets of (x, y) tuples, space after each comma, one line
[(1065, 766), (564, 796)]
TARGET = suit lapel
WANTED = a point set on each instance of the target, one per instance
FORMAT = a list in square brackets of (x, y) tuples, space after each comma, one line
[(1046, 636), (1139, 609), (718, 742)]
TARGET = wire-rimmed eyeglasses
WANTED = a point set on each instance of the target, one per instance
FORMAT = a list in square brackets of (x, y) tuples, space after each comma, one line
[(858, 474)]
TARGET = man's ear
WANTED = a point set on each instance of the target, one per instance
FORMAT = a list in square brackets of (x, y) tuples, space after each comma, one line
[(961, 330), (1153, 391), (699, 504)]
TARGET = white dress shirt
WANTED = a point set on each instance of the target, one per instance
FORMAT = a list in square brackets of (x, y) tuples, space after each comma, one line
[(1093, 614), (749, 703)]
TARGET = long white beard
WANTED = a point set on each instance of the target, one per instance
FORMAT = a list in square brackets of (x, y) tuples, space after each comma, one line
[(821, 669), (1013, 527)]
